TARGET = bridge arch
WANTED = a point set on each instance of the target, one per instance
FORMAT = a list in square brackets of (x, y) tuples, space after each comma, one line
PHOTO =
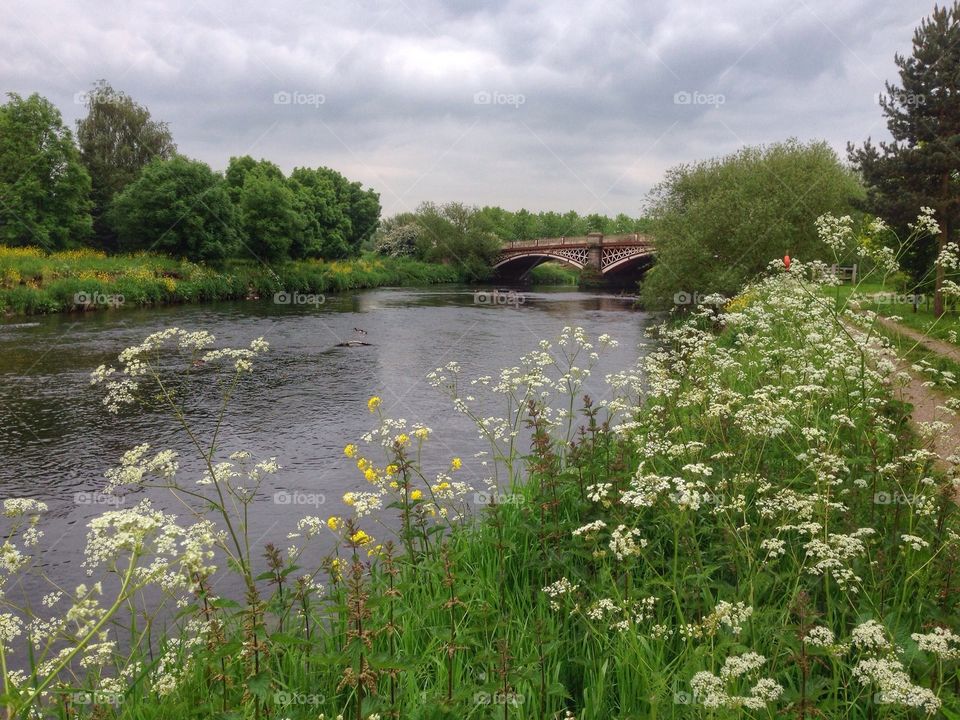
[(614, 256), (638, 260), (527, 261)]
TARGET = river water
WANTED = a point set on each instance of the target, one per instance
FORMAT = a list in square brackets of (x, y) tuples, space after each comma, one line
[(302, 404)]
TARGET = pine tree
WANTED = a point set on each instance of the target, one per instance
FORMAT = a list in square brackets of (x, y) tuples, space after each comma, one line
[(922, 164)]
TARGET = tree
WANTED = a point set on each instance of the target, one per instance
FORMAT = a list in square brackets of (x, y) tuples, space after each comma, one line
[(326, 225), (239, 167), (452, 234), (117, 139), (178, 206), (719, 222), (399, 240), (574, 225), (922, 165), (598, 223), (497, 221), (524, 224), (269, 216), (363, 209), (550, 224), (44, 188)]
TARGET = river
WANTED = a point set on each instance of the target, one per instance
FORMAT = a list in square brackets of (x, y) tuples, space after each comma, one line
[(302, 404)]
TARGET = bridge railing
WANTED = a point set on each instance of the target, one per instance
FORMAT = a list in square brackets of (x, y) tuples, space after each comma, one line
[(579, 240)]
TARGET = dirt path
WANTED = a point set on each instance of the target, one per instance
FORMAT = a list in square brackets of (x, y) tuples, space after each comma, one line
[(927, 401), (940, 347)]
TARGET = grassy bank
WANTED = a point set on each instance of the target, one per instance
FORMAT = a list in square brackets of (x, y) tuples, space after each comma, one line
[(745, 529), (888, 301), (33, 281)]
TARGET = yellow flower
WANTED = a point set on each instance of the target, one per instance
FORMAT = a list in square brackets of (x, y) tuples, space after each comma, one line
[(440, 487), (416, 494), (335, 569), (394, 484), (350, 450), (421, 433), (334, 523), (348, 498), (402, 439), (373, 403), (392, 469), (363, 464), (375, 550), (360, 538), (456, 464), (370, 475)]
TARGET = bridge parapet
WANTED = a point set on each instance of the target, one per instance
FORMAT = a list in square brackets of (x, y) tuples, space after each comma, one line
[(604, 253), (581, 241)]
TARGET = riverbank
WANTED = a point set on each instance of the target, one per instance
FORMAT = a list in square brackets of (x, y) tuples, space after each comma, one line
[(758, 531), (35, 282)]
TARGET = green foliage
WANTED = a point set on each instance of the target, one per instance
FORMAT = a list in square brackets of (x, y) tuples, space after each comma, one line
[(44, 188), (327, 231), (554, 273), (921, 167), (34, 282), (315, 213), (451, 234), (117, 138), (269, 216), (525, 225), (177, 206), (719, 222)]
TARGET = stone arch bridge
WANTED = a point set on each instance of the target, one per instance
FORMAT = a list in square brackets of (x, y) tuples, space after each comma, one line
[(608, 256)]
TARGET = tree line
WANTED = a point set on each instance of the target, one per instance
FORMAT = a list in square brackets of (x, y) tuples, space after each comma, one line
[(121, 185)]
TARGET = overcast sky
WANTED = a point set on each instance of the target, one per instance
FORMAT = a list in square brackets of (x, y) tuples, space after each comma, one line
[(518, 103)]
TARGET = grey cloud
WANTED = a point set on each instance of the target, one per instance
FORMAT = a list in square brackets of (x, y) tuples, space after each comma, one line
[(581, 109)]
